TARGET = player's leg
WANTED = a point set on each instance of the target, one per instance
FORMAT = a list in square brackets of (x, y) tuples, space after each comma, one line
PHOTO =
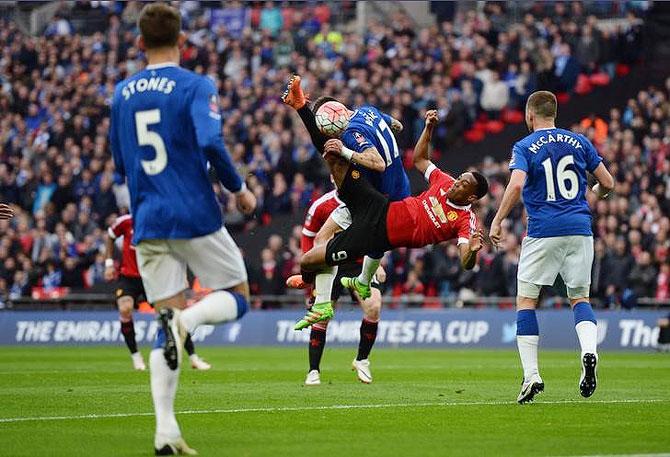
[(197, 363), (164, 278), (316, 345), (576, 274), (368, 334), (126, 303), (294, 97)]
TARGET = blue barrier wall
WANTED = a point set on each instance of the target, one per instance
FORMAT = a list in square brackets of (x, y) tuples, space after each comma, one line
[(439, 329)]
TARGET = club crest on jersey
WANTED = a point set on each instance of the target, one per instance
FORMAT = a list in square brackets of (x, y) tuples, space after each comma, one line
[(452, 216), (355, 174), (359, 138), (119, 292)]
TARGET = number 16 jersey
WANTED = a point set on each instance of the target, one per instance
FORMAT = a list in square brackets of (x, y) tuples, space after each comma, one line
[(556, 162), (164, 119)]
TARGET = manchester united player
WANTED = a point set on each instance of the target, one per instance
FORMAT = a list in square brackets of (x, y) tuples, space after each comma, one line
[(439, 214), (320, 214), (130, 290)]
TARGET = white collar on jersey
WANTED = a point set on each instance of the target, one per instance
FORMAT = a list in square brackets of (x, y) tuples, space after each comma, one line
[(544, 128), (161, 65), (450, 203)]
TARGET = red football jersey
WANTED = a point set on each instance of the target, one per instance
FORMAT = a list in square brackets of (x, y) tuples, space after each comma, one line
[(429, 218), (317, 215), (123, 226)]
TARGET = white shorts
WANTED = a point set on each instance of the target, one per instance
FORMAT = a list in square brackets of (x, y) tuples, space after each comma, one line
[(342, 217), (214, 259), (542, 259)]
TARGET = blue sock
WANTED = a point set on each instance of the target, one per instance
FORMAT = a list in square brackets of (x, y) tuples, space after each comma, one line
[(160, 339), (584, 312), (242, 304), (526, 322)]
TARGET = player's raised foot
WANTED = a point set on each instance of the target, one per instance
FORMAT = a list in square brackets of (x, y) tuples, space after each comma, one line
[(362, 369), (589, 378), (319, 312), (529, 389), (174, 336), (296, 282), (355, 285), (197, 363), (138, 361), (313, 378), (293, 96), (178, 447)]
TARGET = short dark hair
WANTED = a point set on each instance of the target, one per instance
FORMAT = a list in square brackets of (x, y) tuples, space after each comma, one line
[(482, 184), (543, 103), (160, 25), (321, 100)]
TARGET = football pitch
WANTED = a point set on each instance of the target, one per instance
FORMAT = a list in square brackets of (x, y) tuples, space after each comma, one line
[(88, 402)]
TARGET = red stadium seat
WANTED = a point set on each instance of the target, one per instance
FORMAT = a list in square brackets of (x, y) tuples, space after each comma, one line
[(512, 116), (562, 97), (599, 79), (495, 126), (480, 125), (583, 86), (622, 69), (474, 135)]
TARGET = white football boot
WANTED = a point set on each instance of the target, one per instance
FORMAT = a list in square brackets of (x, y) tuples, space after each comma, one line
[(362, 369), (138, 361), (178, 447), (313, 378), (530, 388), (198, 364)]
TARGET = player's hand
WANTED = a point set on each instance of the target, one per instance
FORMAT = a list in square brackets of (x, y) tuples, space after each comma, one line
[(109, 273), (6, 212), (477, 240), (431, 118), (396, 126), (380, 274), (332, 147), (246, 201), (495, 233)]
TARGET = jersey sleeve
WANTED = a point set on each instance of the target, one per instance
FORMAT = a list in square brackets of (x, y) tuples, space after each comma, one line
[(114, 141), (119, 227), (207, 123), (591, 155), (355, 140), (467, 225), (310, 228), (518, 161), (436, 176), (388, 119)]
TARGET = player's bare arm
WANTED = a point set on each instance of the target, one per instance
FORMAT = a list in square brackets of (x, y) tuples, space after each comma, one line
[(470, 249), (109, 256), (421, 155), (368, 158), (6, 212), (396, 125), (510, 198), (605, 184)]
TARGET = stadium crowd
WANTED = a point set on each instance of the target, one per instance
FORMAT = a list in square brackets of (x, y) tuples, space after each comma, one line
[(56, 168)]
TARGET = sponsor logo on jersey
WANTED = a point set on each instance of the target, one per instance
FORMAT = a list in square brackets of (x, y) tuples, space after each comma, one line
[(438, 210), (214, 106)]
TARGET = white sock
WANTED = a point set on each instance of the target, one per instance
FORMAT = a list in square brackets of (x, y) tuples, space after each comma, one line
[(323, 284), (369, 269), (163, 390), (527, 345), (587, 332), (219, 306)]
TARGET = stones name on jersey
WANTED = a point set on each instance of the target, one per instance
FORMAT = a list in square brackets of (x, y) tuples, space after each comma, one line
[(551, 138), (160, 84)]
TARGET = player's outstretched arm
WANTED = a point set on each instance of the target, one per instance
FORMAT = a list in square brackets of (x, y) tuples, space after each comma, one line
[(368, 158), (421, 155), (510, 198), (605, 183), (470, 249)]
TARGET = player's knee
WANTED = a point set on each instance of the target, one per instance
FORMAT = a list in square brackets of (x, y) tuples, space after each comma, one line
[(322, 238), (308, 260), (125, 305)]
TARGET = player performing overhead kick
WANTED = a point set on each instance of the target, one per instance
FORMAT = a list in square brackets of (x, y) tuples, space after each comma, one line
[(439, 214), (165, 127), (550, 165), (129, 291), (371, 148)]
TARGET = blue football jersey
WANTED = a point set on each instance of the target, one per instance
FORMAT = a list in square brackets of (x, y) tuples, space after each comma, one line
[(165, 127), (369, 127), (556, 162)]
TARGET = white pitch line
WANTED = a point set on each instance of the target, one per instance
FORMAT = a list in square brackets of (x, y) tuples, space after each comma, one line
[(7, 420)]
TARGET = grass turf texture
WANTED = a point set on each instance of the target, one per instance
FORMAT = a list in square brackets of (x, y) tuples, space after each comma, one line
[(415, 391)]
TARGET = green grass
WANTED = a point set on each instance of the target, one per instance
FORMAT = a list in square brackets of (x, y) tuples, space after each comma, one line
[(432, 403)]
